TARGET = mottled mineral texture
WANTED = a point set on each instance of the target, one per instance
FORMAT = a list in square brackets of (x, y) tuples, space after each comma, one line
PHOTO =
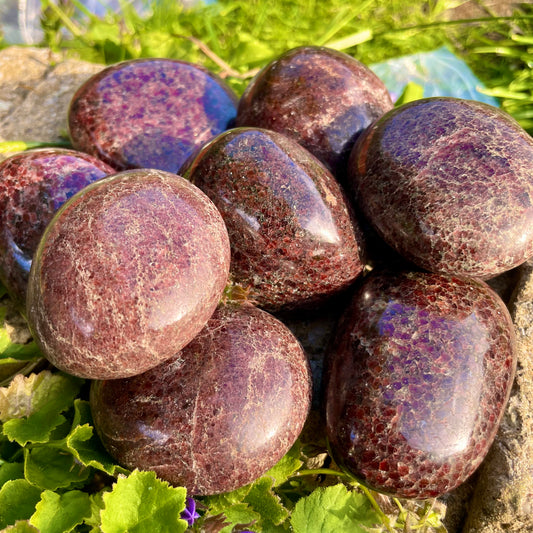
[(128, 271), (33, 185), (448, 183), (294, 239), (418, 378), (36, 87), (150, 113), (321, 98), (503, 497), (219, 414)]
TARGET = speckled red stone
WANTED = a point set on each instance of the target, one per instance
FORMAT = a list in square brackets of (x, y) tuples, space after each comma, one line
[(128, 271), (33, 185), (219, 414), (448, 183), (321, 98), (419, 376), (293, 237), (149, 113)]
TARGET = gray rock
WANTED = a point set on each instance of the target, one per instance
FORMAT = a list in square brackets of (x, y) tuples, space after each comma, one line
[(36, 87)]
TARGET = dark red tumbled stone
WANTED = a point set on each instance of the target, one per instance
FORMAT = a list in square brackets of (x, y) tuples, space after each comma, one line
[(419, 376), (321, 98), (33, 185), (150, 113), (293, 237), (128, 271), (448, 183), (219, 414)]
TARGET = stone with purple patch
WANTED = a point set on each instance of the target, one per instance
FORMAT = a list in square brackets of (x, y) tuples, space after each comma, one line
[(33, 185), (418, 379), (150, 113)]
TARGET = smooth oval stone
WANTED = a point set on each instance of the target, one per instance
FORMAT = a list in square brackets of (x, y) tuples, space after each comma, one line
[(219, 414), (149, 113), (321, 98), (419, 376), (128, 271), (448, 183), (33, 185), (293, 238)]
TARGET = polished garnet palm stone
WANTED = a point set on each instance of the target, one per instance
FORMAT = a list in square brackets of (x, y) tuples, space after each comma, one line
[(448, 183), (321, 98), (128, 271), (219, 414), (33, 185), (419, 376), (294, 239), (149, 113)]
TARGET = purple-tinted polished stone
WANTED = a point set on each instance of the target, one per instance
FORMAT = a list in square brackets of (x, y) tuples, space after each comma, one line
[(149, 113), (33, 185), (419, 376), (448, 183), (294, 240), (128, 271), (321, 98), (219, 414)]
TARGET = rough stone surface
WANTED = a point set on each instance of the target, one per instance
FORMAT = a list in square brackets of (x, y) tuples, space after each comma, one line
[(448, 183), (418, 379), (503, 498), (36, 87), (127, 273), (33, 185), (219, 414), (294, 239), (150, 113)]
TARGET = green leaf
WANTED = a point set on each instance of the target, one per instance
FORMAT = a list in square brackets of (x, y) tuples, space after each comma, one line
[(21, 526), (141, 502), (60, 513), (85, 445), (263, 500), (287, 465), (30, 407), (336, 509), (239, 514), (17, 501), (10, 471), (412, 91), (217, 503), (50, 467)]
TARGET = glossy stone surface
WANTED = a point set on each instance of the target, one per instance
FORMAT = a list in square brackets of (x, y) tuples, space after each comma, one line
[(33, 185), (419, 376), (448, 183), (149, 113), (294, 239), (219, 414), (321, 98), (128, 271)]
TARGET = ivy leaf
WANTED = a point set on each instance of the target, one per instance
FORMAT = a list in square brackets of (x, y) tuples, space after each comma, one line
[(84, 444), (218, 503), (51, 468), (60, 513), (141, 502), (18, 499), (30, 407), (336, 509)]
